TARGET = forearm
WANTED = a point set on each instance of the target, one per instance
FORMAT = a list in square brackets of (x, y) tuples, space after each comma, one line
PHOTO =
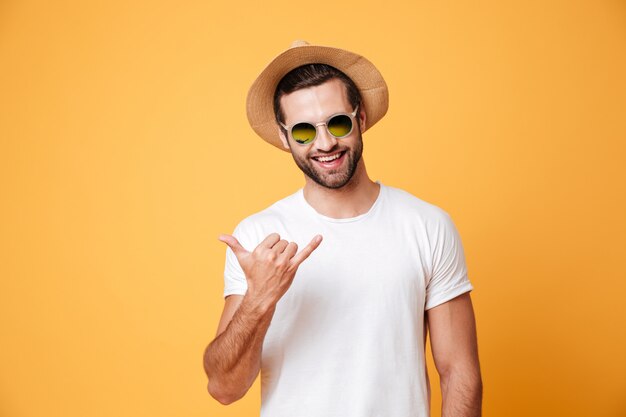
[(232, 361), (462, 394)]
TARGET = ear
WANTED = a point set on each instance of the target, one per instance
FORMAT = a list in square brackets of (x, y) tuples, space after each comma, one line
[(362, 117), (283, 139)]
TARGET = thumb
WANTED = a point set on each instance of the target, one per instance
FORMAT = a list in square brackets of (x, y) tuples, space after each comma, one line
[(234, 244)]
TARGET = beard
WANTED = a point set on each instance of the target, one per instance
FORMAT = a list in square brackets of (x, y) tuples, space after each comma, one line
[(332, 178)]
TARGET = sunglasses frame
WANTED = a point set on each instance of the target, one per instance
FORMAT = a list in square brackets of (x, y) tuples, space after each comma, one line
[(352, 117)]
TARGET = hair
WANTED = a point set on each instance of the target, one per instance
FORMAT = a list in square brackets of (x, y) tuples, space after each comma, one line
[(311, 75)]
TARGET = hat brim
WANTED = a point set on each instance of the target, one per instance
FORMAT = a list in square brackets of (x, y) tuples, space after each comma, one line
[(367, 78)]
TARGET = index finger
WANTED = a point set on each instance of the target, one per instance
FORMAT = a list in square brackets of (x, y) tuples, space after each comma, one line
[(304, 253)]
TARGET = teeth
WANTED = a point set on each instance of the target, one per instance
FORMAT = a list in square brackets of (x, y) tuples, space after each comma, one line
[(329, 158)]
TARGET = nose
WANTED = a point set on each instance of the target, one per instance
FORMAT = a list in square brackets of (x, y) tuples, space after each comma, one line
[(324, 141)]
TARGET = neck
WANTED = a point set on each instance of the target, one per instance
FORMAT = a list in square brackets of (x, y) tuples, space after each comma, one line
[(351, 200)]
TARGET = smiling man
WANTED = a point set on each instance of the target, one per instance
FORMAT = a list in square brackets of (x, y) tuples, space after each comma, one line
[(339, 327)]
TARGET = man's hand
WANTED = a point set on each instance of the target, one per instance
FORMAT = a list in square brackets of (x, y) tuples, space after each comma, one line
[(271, 267), (233, 359)]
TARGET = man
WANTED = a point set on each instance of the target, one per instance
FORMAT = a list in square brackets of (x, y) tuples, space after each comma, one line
[(339, 327)]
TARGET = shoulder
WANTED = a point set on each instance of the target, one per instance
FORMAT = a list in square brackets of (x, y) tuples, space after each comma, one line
[(431, 222), (406, 204)]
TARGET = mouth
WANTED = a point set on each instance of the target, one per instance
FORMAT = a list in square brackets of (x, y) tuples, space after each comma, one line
[(330, 161)]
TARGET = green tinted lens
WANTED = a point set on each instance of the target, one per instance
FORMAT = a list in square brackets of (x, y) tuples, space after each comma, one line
[(339, 126), (303, 132)]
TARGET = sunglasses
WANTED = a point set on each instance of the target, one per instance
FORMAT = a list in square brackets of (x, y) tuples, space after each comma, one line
[(339, 125)]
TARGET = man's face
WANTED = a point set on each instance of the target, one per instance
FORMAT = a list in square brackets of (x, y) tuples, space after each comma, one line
[(317, 104)]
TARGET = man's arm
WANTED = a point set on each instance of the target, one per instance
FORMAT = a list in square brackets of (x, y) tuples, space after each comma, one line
[(233, 359), (454, 345)]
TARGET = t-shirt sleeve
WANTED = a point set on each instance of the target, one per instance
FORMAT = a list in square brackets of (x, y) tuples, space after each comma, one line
[(234, 278), (449, 271)]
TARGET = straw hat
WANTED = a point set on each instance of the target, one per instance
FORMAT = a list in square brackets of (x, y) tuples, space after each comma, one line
[(260, 100)]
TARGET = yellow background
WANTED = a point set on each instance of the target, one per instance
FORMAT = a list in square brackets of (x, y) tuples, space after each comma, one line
[(125, 151)]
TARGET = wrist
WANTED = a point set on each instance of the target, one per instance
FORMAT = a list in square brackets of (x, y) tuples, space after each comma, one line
[(258, 306)]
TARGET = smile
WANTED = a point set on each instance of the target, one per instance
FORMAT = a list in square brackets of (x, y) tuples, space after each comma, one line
[(329, 158)]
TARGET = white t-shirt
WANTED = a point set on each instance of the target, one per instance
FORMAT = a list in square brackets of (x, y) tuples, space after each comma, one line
[(347, 339)]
